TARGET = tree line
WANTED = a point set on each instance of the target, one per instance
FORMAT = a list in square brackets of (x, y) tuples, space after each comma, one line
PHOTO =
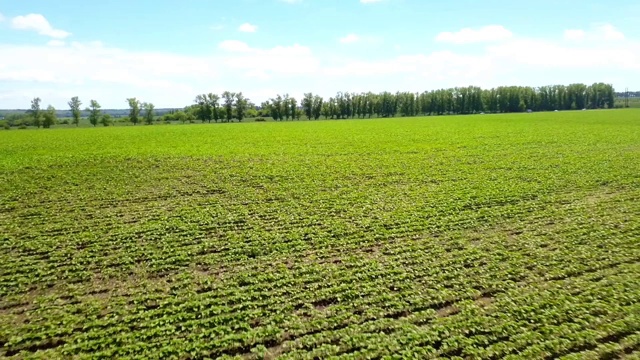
[(231, 106), (38, 117), (459, 100)]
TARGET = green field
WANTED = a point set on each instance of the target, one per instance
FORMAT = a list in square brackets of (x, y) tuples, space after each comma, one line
[(483, 236)]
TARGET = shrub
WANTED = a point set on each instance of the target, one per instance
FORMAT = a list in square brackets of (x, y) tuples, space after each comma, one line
[(260, 119), (27, 121)]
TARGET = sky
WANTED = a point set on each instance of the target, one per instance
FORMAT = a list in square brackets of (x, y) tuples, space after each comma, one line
[(168, 51)]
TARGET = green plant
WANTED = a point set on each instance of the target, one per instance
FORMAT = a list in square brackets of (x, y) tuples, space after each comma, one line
[(445, 237)]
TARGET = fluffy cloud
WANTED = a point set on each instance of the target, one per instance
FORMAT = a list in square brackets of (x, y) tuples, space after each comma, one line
[(489, 33), (246, 27), (263, 63), (39, 24), (351, 38), (109, 74), (59, 70), (234, 46), (574, 34), (56, 43), (598, 32), (513, 60), (557, 55), (608, 32)]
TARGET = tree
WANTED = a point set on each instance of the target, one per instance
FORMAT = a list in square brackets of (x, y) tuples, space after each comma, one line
[(74, 105), (214, 104), (308, 105), (49, 117), (134, 110), (317, 106), (284, 107), (293, 107), (94, 112), (228, 104), (276, 108), (241, 106), (167, 118), (203, 112), (252, 110), (148, 112), (105, 119), (180, 116), (326, 110), (36, 112)]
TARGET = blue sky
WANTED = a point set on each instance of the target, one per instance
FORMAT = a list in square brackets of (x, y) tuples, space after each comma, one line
[(167, 51)]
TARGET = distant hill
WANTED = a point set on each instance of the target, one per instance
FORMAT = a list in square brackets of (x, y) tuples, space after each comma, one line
[(631, 94)]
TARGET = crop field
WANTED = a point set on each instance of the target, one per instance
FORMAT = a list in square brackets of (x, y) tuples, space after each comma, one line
[(482, 237)]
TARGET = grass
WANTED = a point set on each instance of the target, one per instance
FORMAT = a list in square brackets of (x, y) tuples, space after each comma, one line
[(471, 236)]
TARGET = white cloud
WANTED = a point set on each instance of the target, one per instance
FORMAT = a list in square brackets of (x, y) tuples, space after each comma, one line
[(370, 1), (246, 27), (598, 32), (518, 61), (574, 34), (263, 63), (56, 43), (441, 65), (542, 54), (489, 33), (109, 74), (234, 46), (351, 38), (1, 17), (38, 23), (608, 32), (291, 1)]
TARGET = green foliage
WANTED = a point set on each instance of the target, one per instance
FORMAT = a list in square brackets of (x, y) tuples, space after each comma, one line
[(105, 120), (307, 105), (36, 112), (275, 107), (241, 104), (229, 102), (94, 113), (479, 237), (49, 117), (149, 109), (207, 107), (134, 110), (180, 116), (317, 106), (15, 119), (168, 118), (74, 106)]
